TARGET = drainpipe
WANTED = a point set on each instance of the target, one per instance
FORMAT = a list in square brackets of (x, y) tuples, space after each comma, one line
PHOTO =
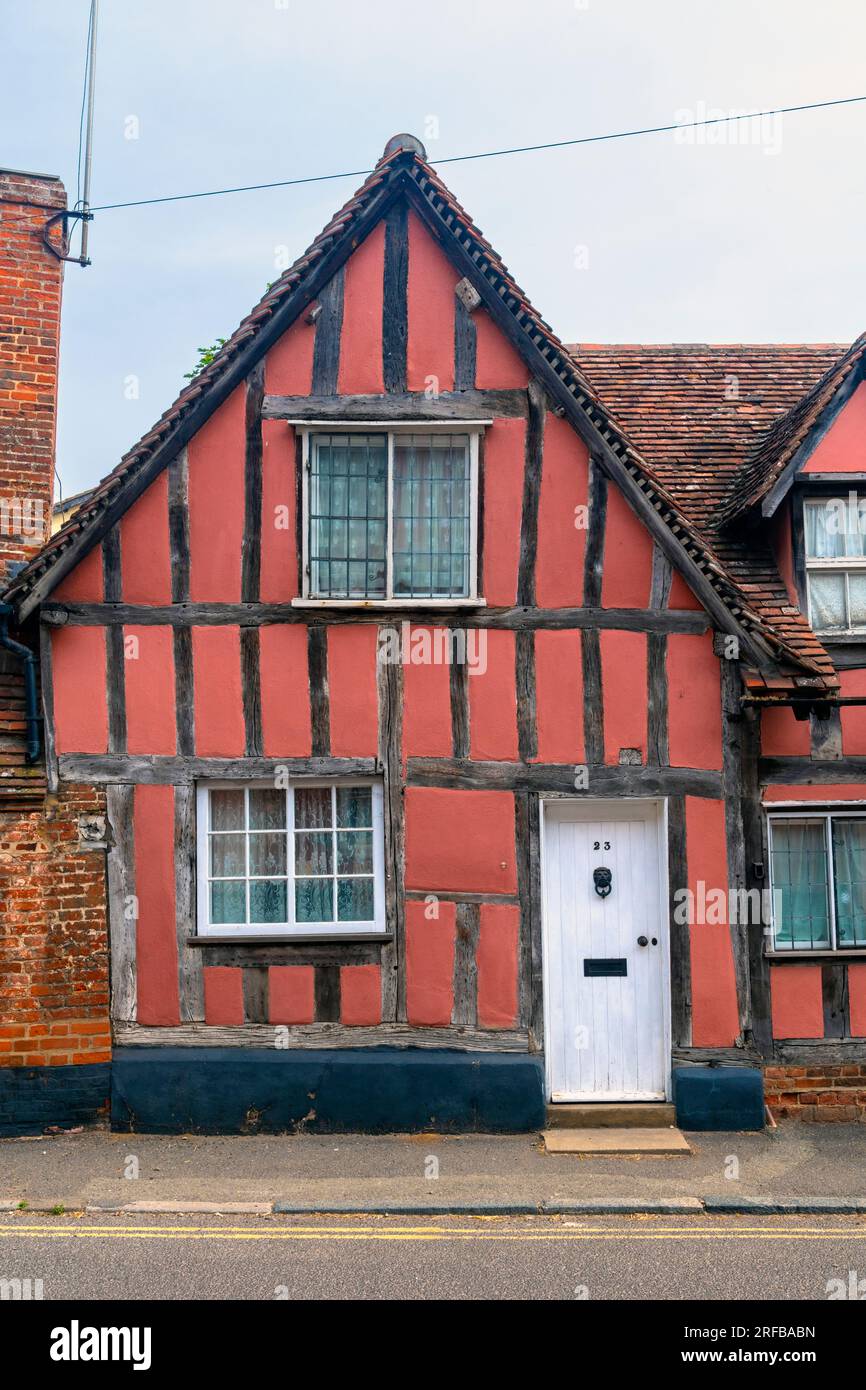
[(31, 706)]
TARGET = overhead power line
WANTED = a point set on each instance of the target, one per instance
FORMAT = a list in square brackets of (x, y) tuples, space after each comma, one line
[(489, 154)]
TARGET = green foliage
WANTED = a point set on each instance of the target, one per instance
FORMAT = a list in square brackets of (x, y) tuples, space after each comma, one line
[(206, 356)]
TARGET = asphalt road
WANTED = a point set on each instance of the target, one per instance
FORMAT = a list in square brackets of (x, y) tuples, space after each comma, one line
[(115, 1257)]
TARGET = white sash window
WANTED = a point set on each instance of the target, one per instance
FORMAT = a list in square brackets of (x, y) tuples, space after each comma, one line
[(835, 532), (307, 860)]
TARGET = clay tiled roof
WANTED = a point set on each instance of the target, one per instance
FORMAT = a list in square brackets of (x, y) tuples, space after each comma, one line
[(699, 413), (770, 455), (613, 388)]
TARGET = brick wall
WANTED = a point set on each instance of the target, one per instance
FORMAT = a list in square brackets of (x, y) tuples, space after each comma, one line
[(824, 1092), (55, 1038), (53, 942), (30, 286)]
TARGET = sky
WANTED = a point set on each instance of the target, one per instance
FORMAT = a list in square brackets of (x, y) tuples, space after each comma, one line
[(751, 233)]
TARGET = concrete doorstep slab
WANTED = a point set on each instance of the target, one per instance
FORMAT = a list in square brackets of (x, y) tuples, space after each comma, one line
[(616, 1141)]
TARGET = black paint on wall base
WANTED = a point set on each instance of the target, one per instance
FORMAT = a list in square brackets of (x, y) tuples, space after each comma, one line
[(708, 1098), (226, 1090), (35, 1099)]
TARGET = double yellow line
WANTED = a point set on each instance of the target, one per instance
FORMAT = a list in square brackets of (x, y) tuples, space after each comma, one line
[(426, 1233)]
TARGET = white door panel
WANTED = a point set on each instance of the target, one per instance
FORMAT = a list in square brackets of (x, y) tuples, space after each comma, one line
[(607, 1034)]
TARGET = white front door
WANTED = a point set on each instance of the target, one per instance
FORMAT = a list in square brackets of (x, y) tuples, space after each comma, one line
[(606, 976)]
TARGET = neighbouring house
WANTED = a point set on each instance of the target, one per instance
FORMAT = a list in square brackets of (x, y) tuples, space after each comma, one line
[(66, 507), (479, 721), (55, 1041)]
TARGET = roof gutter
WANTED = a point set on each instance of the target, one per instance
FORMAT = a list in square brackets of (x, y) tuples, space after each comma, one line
[(31, 702)]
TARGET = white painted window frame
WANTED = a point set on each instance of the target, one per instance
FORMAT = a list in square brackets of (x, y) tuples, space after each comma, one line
[(331, 931), (801, 812), (842, 564), (473, 428)]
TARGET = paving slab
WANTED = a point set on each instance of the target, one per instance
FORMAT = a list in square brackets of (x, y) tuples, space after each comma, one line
[(616, 1141), (795, 1163)]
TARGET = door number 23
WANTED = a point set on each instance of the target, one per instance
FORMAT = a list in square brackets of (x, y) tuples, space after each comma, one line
[(597, 844)]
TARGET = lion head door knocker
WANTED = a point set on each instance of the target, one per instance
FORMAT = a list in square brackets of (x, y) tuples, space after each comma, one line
[(603, 880)]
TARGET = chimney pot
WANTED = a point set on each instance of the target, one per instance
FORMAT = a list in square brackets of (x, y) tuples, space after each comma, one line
[(404, 142)]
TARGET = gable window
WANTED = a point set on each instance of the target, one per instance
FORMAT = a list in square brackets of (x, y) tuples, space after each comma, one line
[(390, 515), (835, 532), (305, 860), (818, 880)]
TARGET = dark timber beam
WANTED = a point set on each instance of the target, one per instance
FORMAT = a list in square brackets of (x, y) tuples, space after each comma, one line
[(190, 978), (251, 554), (122, 928), (458, 682), (603, 780), (734, 772), (115, 673), (185, 615), (464, 1012), (804, 772), (251, 692), (658, 741), (46, 667), (680, 935), (178, 526), (329, 331), (317, 1035), (527, 830), (467, 404), (527, 732), (180, 771), (590, 645), (320, 702), (465, 346), (395, 298), (389, 696)]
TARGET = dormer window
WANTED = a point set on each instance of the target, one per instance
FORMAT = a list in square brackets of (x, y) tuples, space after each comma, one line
[(835, 534), (390, 515)]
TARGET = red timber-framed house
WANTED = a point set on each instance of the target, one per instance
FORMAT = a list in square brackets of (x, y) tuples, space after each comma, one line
[(479, 720)]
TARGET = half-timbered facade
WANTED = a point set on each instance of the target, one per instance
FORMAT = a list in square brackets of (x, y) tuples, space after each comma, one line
[(478, 718)]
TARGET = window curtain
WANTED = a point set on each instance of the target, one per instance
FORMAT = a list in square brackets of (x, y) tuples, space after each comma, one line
[(849, 868), (431, 515), (800, 883)]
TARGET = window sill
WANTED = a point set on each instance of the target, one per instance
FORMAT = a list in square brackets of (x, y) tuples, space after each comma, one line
[(386, 604), (297, 939), (848, 953)]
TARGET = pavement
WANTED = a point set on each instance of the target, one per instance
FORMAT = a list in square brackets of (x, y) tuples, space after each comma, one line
[(453, 1258), (793, 1168)]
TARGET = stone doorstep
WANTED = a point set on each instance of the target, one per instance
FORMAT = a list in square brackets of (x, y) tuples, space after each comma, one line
[(605, 1115), (616, 1141)]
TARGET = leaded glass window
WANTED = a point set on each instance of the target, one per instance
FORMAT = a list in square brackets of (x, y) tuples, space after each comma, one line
[(305, 859), (348, 515), (391, 515), (818, 873)]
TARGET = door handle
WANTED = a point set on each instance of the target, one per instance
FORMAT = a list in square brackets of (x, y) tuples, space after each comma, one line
[(643, 941)]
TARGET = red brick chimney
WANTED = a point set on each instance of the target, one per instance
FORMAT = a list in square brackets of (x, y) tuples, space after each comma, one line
[(31, 280)]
